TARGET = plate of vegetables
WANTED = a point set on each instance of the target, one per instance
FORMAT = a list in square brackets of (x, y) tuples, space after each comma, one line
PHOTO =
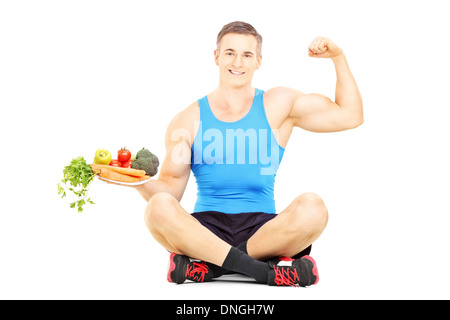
[(126, 170)]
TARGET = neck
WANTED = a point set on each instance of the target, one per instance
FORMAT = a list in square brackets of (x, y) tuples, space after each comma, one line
[(234, 96)]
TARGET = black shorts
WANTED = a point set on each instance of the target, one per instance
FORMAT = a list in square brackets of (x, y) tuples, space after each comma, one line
[(237, 228)]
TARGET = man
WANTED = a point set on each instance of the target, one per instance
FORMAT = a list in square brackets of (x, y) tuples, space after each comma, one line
[(233, 140)]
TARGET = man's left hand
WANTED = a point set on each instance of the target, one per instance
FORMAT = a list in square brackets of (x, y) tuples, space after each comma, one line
[(323, 47)]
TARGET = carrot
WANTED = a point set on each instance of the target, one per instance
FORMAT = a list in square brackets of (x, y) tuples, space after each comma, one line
[(112, 175), (127, 171), (143, 178)]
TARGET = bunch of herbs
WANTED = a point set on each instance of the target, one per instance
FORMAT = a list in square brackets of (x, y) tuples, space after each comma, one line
[(78, 176)]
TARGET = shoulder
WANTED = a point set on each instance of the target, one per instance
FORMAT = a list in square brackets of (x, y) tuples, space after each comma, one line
[(282, 95), (187, 116), (183, 124), (278, 102)]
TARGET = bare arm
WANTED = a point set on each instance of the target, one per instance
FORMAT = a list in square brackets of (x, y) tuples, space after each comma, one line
[(315, 112), (175, 169)]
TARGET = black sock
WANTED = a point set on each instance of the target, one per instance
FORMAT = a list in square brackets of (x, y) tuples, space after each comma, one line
[(240, 262), (243, 247), (219, 271)]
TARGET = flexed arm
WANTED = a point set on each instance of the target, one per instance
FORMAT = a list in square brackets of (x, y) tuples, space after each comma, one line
[(315, 112)]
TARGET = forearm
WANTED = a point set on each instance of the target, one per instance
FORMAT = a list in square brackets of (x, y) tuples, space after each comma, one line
[(347, 94), (147, 190)]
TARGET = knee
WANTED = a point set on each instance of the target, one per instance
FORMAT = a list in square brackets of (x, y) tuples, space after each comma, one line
[(310, 212), (157, 212)]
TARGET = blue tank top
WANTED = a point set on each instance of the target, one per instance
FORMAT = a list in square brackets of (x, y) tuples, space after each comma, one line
[(235, 163)]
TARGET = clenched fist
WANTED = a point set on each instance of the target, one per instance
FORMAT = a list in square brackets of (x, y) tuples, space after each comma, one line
[(323, 47)]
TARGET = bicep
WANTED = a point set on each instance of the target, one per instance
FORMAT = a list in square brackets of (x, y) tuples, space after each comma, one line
[(317, 113), (175, 175), (175, 169)]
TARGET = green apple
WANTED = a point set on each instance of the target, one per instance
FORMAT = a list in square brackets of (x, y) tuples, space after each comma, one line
[(102, 156)]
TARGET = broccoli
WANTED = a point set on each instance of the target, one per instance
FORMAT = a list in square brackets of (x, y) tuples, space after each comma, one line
[(145, 160), (144, 153)]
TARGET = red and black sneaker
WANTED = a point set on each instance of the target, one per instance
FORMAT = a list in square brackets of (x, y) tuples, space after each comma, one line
[(289, 272), (182, 268)]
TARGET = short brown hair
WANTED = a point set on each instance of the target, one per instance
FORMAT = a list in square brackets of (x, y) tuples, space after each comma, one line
[(240, 27)]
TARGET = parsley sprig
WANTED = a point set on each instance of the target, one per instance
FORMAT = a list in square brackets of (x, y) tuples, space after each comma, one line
[(79, 175)]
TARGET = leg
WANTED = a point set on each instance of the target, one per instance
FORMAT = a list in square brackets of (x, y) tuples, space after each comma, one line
[(177, 231), (293, 230)]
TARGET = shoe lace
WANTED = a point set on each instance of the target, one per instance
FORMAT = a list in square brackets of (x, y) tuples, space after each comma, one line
[(286, 276), (196, 271)]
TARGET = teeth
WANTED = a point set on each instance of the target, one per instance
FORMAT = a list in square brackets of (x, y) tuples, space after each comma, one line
[(236, 72)]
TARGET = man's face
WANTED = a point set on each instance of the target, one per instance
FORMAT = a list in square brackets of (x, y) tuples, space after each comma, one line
[(237, 59)]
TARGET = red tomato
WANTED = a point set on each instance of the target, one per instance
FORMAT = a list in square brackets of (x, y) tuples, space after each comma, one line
[(127, 164), (123, 155), (115, 163)]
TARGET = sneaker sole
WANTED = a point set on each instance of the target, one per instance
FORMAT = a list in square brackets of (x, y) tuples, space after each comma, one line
[(315, 271), (173, 275)]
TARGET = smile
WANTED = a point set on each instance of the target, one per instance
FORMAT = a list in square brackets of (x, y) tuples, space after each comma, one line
[(236, 73)]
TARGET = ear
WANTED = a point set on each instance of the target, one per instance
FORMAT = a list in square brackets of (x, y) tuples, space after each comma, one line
[(259, 62), (216, 56)]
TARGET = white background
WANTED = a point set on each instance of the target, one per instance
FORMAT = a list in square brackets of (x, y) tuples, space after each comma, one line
[(76, 76)]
